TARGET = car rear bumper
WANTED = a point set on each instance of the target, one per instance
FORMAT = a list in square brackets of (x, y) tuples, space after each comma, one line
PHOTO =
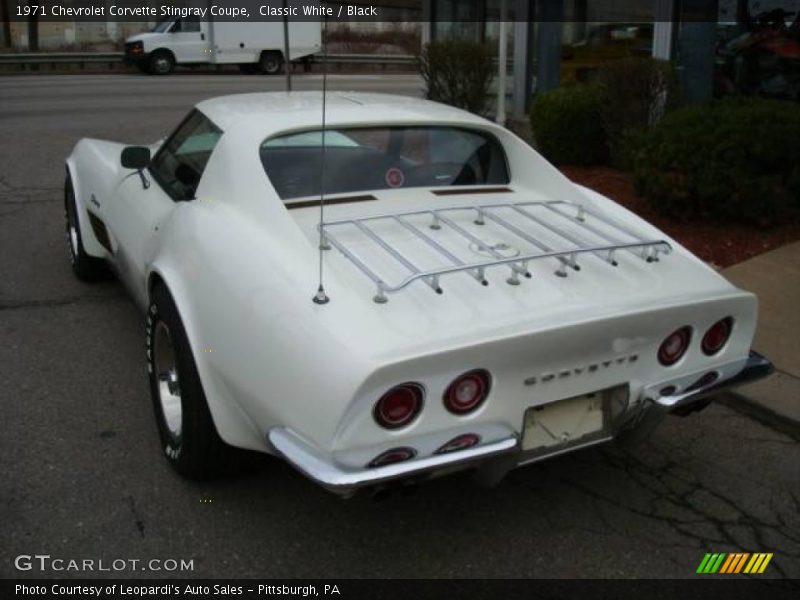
[(344, 481), (500, 454), (755, 367)]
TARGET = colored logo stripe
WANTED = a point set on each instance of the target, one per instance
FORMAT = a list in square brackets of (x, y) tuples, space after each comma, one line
[(733, 563), (758, 563)]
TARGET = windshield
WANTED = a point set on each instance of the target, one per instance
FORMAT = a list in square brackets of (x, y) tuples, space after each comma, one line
[(375, 158), (163, 26)]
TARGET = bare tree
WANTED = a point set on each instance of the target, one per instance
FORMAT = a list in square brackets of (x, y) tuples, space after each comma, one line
[(5, 16), (33, 29)]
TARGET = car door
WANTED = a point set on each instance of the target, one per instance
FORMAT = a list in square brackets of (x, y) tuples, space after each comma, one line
[(142, 204), (188, 41)]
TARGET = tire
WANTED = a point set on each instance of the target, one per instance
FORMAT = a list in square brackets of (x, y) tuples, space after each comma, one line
[(86, 268), (189, 438), (161, 62), (270, 63)]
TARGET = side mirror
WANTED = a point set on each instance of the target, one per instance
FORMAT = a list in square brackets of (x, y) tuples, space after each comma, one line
[(135, 157)]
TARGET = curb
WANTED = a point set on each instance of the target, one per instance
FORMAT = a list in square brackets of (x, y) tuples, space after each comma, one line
[(765, 415)]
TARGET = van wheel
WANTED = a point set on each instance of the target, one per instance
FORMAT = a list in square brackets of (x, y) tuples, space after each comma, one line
[(85, 267), (161, 63), (271, 63)]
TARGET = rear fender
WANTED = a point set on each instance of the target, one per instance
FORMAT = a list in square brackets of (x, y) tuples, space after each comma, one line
[(233, 424)]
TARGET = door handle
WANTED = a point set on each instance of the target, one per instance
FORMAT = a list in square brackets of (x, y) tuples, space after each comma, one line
[(203, 36)]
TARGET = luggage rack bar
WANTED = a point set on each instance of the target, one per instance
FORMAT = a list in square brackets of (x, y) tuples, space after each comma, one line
[(518, 265)]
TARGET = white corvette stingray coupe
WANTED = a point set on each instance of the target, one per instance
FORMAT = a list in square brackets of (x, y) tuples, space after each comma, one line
[(407, 292)]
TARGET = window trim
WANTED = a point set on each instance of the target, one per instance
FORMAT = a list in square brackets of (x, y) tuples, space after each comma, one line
[(166, 142), (344, 128)]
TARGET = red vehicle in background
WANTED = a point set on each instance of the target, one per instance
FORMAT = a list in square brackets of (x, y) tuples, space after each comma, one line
[(763, 60)]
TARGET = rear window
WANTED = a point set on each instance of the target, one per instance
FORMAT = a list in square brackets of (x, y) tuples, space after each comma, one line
[(363, 159)]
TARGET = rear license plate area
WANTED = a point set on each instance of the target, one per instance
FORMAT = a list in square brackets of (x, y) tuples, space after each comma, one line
[(572, 422)]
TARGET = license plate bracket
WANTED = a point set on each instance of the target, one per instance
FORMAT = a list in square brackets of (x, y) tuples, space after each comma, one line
[(571, 422)]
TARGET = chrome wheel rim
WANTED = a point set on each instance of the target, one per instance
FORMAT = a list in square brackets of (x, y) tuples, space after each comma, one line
[(271, 65), (72, 225), (161, 64), (168, 385)]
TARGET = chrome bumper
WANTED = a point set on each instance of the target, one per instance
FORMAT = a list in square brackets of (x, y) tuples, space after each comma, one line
[(755, 367), (503, 453), (344, 481)]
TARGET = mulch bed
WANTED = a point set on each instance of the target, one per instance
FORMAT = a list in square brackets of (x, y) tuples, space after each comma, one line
[(722, 244)]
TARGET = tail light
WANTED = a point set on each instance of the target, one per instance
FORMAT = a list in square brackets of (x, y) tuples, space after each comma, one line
[(398, 407), (395, 455), (674, 346), (716, 336), (461, 442), (467, 392)]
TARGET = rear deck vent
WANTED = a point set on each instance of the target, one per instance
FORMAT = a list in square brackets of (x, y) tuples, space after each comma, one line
[(493, 190), (330, 201)]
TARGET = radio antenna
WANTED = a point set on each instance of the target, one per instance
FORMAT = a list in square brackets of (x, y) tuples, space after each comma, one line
[(321, 297)]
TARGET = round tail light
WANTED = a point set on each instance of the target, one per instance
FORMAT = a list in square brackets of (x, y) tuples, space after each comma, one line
[(461, 442), (674, 347), (398, 407), (395, 455), (716, 336), (467, 392)]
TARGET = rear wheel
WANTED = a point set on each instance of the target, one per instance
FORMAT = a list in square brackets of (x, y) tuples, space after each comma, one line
[(271, 63), (188, 435), (85, 267), (161, 63)]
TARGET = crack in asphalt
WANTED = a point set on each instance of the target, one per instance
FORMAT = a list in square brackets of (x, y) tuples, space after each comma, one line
[(685, 493), (24, 189), (137, 518), (56, 302)]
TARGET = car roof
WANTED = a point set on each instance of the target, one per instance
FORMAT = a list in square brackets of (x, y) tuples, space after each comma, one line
[(272, 112)]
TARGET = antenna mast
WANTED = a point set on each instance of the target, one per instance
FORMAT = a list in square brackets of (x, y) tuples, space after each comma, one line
[(321, 297)]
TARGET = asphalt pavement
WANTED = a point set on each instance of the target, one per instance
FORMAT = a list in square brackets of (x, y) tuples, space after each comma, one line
[(84, 477)]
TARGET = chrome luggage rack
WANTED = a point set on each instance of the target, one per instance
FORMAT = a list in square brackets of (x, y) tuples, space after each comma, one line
[(647, 250)]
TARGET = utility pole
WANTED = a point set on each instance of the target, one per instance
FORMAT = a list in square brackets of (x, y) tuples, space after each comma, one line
[(501, 67), (287, 63)]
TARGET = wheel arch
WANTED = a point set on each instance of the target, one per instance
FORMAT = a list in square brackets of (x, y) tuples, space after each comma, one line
[(233, 424), (163, 50)]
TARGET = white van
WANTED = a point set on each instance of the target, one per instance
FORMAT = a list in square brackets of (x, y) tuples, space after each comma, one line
[(254, 46)]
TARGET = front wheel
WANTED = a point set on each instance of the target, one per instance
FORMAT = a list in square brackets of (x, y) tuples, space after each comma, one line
[(188, 436), (161, 63)]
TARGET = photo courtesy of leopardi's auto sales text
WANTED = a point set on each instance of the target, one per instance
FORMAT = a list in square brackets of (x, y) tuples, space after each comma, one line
[(399, 299)]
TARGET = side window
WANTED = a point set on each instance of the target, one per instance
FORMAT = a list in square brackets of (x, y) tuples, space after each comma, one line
[(188, 25), (179, 164)]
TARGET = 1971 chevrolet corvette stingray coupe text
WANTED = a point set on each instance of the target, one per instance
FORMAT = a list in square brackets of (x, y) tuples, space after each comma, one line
[(478, 309)]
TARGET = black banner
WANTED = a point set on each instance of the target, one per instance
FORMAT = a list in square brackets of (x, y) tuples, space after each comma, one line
[(399, 11), (712, 587)]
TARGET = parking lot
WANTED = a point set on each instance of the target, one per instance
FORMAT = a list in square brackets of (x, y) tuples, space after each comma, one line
[(84, 477)]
